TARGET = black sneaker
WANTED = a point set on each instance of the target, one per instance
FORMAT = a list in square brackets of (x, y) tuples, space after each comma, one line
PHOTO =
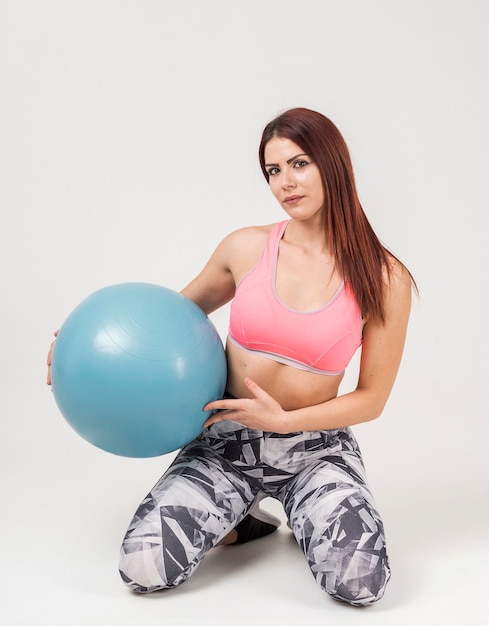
[(257, 523)]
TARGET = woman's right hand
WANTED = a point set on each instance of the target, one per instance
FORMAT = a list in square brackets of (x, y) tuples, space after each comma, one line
[(50, 358)]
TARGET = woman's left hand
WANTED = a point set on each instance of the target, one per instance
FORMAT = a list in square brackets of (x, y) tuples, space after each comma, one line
[(261, 412)]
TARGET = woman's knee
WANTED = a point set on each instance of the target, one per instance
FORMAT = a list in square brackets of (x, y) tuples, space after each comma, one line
[(145, 566), (162, 549), (346, 550), (361, 583)]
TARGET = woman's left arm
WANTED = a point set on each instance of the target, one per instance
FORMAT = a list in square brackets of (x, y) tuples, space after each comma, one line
[(380, 359)]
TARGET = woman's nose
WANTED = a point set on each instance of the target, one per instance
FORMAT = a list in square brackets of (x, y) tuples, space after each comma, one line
[(287, 180)]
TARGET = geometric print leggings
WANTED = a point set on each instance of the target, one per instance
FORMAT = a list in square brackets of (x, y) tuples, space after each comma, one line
[(318, 477)]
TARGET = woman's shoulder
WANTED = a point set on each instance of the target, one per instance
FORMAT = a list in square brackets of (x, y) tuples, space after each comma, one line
[(249, 236), (250, 232), (398, 281), (243, 247)]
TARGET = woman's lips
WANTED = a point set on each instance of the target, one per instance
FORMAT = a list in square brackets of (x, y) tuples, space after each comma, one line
[(292, 199)]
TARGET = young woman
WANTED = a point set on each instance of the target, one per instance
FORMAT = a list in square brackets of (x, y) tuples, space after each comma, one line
[(306, 294)]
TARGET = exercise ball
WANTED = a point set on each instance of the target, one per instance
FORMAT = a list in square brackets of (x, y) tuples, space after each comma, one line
[(132, 367)]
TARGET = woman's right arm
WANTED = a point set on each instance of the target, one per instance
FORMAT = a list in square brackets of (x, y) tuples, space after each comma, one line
[(215, 285)]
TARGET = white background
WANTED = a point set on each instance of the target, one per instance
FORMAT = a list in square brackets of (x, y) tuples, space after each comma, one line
[(128, 149)]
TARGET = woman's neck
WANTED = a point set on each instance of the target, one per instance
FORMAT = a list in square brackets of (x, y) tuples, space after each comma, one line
[(308, 234)]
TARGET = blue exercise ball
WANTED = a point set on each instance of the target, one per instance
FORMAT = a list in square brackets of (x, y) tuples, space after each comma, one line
[(132, 367)]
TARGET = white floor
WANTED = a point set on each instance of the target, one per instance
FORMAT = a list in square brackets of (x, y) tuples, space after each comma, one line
[(65, 507), (128, 135)]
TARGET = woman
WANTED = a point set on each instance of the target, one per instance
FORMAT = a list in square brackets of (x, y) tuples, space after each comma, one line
[(307, 292)]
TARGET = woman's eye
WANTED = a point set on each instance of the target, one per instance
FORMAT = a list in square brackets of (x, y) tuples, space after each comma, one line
[(300, 163), (272, 171)]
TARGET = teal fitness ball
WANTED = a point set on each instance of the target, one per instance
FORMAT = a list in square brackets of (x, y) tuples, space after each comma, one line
[(132, 367)]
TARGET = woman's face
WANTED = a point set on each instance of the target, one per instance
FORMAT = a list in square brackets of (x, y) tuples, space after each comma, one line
[(294, 178)]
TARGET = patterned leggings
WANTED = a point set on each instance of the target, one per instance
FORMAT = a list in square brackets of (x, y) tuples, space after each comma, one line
[(318, 477)]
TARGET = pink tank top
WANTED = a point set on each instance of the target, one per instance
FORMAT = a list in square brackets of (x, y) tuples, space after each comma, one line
[(321, 341)]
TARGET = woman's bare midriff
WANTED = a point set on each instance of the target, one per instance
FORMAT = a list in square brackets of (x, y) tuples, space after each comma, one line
[(292, 388)]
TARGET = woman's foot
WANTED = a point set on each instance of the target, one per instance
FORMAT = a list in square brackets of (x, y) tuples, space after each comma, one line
[(254, 525)]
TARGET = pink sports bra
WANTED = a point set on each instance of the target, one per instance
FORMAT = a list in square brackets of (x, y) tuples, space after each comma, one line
[(321, 341)]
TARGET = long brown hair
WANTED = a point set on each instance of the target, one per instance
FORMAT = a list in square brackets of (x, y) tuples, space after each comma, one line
[(359, 255)]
